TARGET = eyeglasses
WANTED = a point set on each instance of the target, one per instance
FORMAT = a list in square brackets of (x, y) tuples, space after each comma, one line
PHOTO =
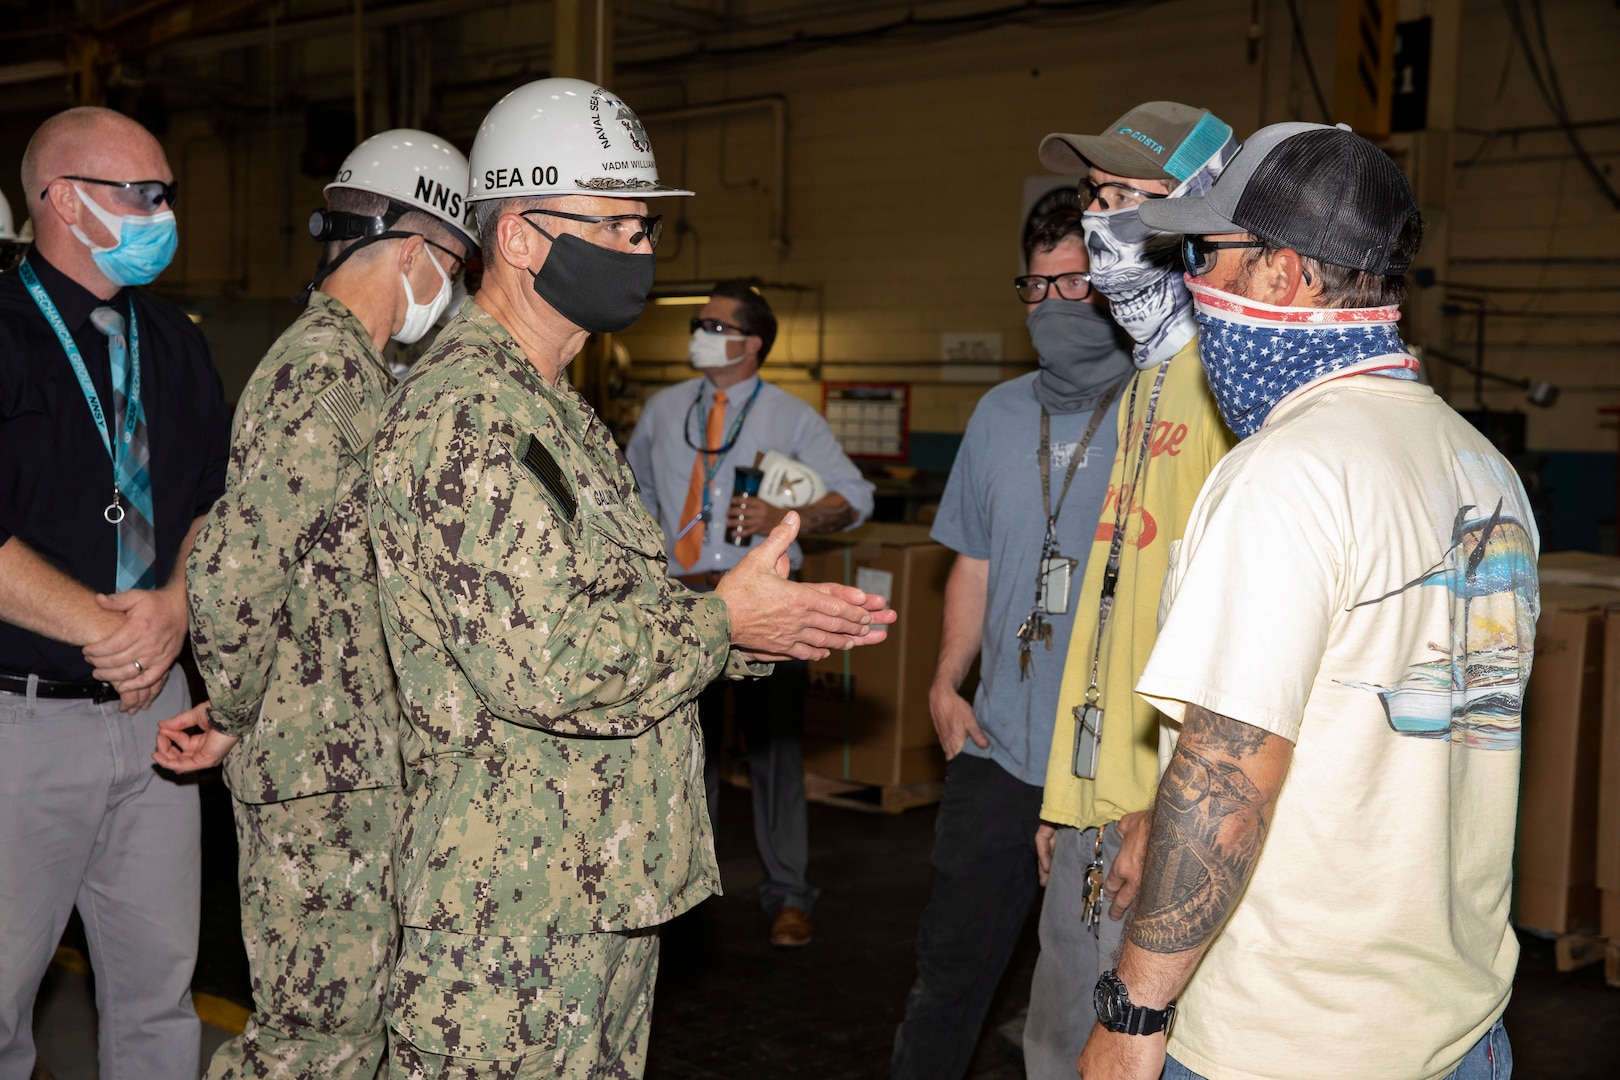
[(142, 195), (619, 229), (1199, 254), (715, 326), (1033, 288), (1124, 195)]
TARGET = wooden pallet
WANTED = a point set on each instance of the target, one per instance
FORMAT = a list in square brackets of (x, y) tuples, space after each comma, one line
[(1573, 951), (872, 798)]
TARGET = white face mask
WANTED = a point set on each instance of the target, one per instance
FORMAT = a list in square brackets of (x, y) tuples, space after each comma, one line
[(419, 317), (708, 350)]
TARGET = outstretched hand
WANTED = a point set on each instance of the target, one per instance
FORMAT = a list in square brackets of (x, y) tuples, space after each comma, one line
[(773, 618)]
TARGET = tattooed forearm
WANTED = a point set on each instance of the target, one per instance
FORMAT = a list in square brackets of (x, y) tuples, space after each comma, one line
[(1209, 822), (827, 515)]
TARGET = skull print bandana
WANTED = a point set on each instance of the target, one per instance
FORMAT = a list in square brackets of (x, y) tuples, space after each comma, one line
[(1257, 355), (1139, 270)]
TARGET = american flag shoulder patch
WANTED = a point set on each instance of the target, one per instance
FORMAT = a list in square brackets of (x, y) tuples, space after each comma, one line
[(544, 468), (339, 403)]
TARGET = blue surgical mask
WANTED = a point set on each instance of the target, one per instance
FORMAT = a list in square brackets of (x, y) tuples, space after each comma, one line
[(143, 244)]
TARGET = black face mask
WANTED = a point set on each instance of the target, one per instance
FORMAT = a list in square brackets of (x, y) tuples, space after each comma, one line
[(595, 288)]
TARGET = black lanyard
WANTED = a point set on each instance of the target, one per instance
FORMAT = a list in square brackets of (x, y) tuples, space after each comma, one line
[(1048, 545), (1036, 627), (1122, 512), (713, 458)]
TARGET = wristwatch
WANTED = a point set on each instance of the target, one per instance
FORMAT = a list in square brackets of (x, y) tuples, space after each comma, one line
[(1116, 1013)]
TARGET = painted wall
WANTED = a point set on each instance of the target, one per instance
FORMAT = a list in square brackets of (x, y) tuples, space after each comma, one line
[(906, 166)]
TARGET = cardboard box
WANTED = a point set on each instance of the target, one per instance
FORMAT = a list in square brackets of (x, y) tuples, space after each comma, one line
[(866, 715), (1608, 810), (1557, 859), (1579, 568)]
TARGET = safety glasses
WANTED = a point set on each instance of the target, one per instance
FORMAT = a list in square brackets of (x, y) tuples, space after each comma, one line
[(716, 326), (144, 196), (458, 265), (1122, 196), (628, 229), (1199, 254)]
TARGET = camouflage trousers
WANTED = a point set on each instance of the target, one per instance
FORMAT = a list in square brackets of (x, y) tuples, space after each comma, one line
[(318, 919), (563, 1007)]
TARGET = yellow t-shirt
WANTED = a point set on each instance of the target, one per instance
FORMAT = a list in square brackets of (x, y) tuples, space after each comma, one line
[(1188, 439)]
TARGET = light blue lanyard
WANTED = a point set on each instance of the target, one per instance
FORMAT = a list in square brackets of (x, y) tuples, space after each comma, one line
[(132, 401)]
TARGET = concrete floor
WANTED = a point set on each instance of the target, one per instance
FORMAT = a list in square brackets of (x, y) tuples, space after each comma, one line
[(730, 1007)]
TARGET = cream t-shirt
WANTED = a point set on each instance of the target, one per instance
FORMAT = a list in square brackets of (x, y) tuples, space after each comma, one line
[(1359, 578)]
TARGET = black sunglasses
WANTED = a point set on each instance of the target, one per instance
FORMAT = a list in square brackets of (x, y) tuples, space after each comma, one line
[(1093, 193), (141, 194), (652, 226), (1199, 254), (715, 326)]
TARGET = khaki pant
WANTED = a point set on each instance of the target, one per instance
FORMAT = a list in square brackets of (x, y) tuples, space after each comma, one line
[(564, 1007), (86, 820), (318, 919)]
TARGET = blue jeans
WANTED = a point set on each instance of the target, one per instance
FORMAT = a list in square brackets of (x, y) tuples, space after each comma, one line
[(1490, 1059)]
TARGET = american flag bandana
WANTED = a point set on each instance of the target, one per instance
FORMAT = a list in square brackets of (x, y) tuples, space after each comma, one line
[(1256, 355)]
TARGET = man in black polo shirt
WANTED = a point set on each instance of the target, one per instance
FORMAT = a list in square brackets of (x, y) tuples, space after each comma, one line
[(113, 442)]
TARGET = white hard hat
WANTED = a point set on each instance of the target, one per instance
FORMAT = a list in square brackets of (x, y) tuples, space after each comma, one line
[(789, 484), (8, 230), (563, 137), (414, 169)]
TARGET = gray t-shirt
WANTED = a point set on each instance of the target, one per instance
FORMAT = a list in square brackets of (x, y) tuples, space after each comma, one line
[(992, 510)]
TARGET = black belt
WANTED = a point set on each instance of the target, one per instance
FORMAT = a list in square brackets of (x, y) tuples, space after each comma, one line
[(98, 692)]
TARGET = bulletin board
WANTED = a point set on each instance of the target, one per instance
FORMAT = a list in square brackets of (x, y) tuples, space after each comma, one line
[(870, 420)]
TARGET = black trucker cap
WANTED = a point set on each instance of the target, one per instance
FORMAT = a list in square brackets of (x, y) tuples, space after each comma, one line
[(1323, 191)]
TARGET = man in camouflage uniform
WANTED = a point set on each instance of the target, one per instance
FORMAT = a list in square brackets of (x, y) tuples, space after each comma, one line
[(548, 666), (288, 633)]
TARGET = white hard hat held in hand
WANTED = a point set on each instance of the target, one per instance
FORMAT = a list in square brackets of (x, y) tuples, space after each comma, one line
[(788, 483), (564, 137)]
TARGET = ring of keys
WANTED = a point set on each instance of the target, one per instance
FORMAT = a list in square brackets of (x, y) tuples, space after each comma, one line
[(1091, 903), (1035, 628)]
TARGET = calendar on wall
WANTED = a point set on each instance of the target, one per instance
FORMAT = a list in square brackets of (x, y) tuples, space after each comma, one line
[(870, 420)]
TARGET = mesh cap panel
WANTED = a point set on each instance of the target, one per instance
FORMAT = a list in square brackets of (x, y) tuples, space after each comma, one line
[(1331, 195)]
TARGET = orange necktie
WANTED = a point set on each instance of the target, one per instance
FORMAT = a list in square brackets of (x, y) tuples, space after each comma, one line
[(689, 548)]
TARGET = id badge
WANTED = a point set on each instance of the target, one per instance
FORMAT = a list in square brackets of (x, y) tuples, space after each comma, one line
[(1054, 598), (1087, 740)]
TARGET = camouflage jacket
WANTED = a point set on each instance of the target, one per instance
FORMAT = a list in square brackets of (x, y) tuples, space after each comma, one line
[(549, 667), (285, 622)]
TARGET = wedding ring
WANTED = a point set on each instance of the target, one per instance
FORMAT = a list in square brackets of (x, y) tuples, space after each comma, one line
[(139, 670)]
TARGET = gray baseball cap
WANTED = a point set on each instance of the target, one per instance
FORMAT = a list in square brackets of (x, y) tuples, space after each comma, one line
[(1323, 191), (1157, 140)]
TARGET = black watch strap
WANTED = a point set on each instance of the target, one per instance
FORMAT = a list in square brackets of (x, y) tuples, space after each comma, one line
[(1117, 1013)]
